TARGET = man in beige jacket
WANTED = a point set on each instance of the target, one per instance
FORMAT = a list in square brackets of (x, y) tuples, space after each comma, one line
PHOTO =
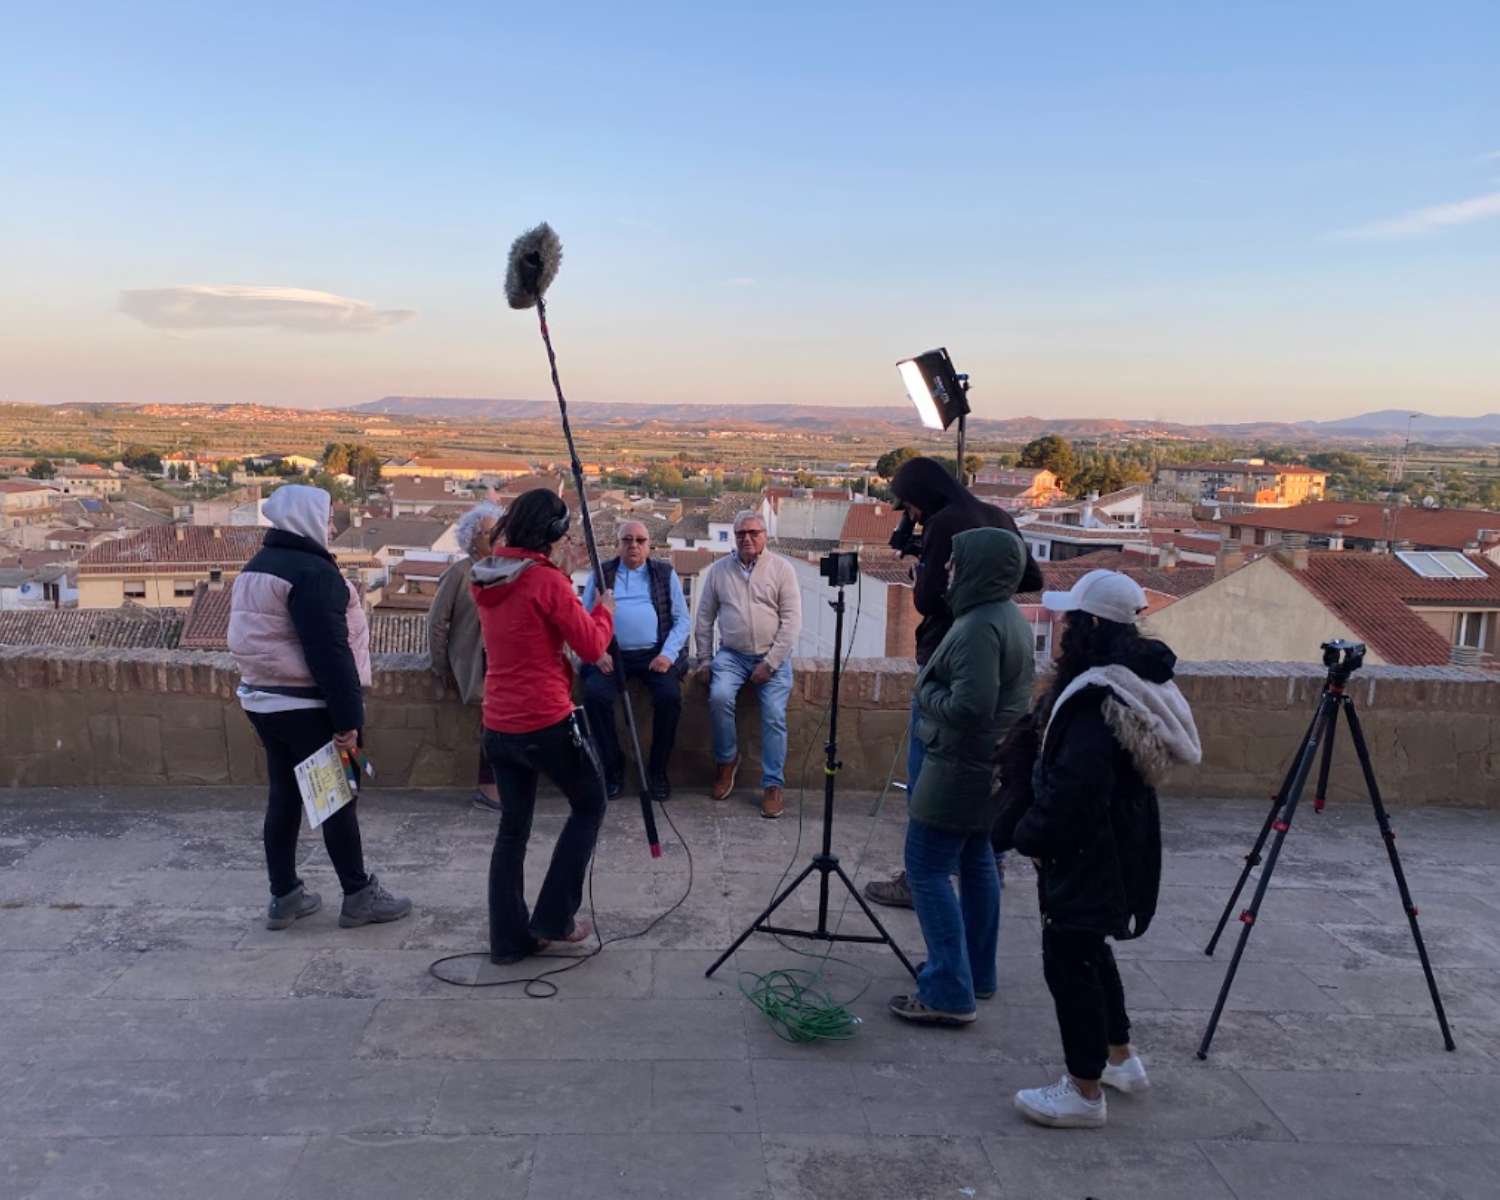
[(753, 595)]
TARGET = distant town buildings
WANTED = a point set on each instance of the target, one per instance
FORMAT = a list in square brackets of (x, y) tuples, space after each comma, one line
[(1251, 481), (456, 466)]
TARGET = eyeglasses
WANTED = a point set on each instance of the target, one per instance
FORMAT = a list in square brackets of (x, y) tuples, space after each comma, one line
[(640, 541), (749, 533)]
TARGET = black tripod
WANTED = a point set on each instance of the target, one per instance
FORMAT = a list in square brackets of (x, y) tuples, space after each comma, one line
[(825, 863), (1342, 659)]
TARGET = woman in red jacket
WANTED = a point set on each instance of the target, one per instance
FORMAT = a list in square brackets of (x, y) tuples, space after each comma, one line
[(528, 612)]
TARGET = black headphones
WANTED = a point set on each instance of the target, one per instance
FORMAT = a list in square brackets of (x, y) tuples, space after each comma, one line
[(560, 523)]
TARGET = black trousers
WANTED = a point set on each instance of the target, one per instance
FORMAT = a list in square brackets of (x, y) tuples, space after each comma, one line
[(1089, 998), (289, 737), (600, 694), (518, 759)]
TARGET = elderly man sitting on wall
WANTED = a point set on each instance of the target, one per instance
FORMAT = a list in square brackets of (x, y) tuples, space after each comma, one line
[(754, 598), (651, 630)]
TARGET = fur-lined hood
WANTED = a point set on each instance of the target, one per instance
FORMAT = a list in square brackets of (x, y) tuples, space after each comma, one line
[(1150, 718)]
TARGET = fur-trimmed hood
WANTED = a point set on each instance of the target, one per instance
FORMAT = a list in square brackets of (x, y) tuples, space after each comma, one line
[(1150, 719)]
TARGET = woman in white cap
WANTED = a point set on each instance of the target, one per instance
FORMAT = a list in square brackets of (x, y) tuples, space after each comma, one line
[(1110, 726)]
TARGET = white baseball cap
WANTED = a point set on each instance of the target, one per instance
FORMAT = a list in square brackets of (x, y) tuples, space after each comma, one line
[(1106, 594)]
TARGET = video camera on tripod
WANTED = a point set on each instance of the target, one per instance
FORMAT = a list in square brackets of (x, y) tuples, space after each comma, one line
[(1343, 658)]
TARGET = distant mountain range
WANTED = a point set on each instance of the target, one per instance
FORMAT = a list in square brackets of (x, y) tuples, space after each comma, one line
[(1388, 425)]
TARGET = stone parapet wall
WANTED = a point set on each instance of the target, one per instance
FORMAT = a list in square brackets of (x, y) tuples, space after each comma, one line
[(140, 717)]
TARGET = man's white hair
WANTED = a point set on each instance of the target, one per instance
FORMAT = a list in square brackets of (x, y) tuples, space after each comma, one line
[(624, 525), (747, 514), (469, 523)]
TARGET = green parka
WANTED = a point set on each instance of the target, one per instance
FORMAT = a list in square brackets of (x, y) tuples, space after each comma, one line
[(975, 686)]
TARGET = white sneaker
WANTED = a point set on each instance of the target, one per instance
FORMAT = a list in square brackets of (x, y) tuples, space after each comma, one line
[(1062, 1106), (1128, 1076)]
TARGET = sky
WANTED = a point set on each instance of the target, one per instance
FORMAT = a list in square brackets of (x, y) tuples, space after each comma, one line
[(1178, 211)]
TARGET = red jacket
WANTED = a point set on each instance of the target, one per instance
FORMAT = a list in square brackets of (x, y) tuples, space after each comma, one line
[(528, 610)]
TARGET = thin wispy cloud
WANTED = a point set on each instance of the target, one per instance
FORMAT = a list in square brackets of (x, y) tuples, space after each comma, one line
[(235, 306), (1430, 220), (740, 281)]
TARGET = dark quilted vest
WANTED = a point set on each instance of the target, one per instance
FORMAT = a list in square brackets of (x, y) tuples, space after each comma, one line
[(659, 574)]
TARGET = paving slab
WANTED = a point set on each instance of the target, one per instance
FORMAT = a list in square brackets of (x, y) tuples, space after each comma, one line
[(382, 1167), (155, 1038)]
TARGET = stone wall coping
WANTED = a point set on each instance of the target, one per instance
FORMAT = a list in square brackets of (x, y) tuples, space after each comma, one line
[(853, 666)]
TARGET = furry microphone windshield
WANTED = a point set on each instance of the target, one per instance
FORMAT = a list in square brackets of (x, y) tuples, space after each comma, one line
[(534, 259)]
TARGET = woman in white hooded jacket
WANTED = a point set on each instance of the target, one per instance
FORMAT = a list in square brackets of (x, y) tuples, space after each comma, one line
[(299, 635)]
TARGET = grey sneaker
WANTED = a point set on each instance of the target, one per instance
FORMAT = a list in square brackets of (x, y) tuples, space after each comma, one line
[(298, 902), (372, 904), (892, 892)]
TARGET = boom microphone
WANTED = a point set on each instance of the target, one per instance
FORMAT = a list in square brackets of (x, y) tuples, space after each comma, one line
[(534, 259)]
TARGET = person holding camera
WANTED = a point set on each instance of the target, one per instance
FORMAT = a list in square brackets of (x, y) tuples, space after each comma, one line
[(972, 690), (1111, 724), (754, 599), (651, 630), (301, 641), (529, 613), (930, 497)]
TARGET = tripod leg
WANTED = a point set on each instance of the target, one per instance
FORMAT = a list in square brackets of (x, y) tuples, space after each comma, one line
[(769, 909), (1386, 833), (1321, 723), (1253, 858), (1321, 795), (875, 921)]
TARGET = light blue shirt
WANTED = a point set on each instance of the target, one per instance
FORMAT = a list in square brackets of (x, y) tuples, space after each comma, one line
[(635, 615)]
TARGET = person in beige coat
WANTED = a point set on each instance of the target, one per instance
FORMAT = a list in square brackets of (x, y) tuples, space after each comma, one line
[(453, 635)]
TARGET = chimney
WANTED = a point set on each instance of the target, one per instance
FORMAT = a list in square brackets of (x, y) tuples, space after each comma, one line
[(1473, 549), (181, 533), (1465, 656), (1335, 541), (1231, 557), (1489, 537), (356, 517), (1404, 544), (218, 532), (1167, 557), (1086, 519), (1380, 546), (1293, 551)]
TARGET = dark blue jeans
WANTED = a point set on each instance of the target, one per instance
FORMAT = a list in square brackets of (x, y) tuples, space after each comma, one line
[(962, 931), (569, 762), (916, 754)]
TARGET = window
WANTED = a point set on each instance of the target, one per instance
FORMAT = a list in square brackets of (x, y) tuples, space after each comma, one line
[(183, 588), (1041, 643), (723, 535), (1469, 629), (135, 589)]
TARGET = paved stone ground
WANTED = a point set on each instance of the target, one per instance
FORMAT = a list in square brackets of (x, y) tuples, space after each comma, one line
[(158, 1043)]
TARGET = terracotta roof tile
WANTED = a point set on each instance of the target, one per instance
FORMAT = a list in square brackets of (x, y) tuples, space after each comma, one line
[(111, 628), (176, 545), (872, 523), (206, 626), (1435, 528), (1374, 594)]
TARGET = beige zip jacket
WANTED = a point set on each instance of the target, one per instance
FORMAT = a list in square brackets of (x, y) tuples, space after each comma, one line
[(759, 615)]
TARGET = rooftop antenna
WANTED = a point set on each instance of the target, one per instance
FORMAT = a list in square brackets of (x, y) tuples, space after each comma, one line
[(1398, 473)]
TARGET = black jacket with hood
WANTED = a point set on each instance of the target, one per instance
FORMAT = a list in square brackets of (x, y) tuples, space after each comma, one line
[(948, 508), (1090, 815)]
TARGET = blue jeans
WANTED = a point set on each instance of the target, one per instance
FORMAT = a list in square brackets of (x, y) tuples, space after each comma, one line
[(962, 931), (731, 671)]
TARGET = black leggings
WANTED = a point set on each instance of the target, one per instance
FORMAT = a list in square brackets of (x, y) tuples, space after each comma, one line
[(1089, 998), (289, 737), (517, 760)]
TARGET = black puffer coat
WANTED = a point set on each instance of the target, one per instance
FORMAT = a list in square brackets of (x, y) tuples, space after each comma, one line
[(1090, 816), (948, 508)]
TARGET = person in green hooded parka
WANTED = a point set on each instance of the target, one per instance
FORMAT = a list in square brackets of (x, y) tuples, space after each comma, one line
[(976, 685)]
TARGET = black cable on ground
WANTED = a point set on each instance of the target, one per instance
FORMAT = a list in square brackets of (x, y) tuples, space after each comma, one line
[(532, 985)]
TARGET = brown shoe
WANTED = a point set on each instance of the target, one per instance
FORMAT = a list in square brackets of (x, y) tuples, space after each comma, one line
[(770, 804), (724, 780)]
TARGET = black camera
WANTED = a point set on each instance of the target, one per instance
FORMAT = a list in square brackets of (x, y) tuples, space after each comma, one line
[(841, 568), (1343, 658), (906, 540)]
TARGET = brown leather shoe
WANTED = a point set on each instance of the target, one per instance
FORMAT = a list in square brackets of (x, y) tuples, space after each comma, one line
[(771, 806), (724, 780)]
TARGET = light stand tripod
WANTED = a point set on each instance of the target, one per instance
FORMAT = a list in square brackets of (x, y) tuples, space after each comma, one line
[(1342, 659), (840, 570)]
